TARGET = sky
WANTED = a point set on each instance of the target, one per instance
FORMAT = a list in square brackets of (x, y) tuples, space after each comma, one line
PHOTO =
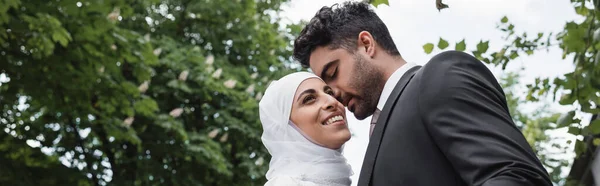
[(413, 23)]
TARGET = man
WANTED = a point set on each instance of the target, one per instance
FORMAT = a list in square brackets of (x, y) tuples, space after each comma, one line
[(445, 123)]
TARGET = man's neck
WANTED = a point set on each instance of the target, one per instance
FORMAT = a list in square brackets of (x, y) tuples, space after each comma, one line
[(391, 64)]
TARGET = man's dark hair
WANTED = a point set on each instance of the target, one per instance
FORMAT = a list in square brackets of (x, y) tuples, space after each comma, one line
[(338, 27)]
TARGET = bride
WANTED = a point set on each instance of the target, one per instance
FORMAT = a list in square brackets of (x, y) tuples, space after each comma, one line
[(304, 130)]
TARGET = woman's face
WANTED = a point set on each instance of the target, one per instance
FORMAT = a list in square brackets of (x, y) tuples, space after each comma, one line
[(319, 115)]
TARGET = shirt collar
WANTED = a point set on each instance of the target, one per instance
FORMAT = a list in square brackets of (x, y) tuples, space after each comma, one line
[(391, 83)]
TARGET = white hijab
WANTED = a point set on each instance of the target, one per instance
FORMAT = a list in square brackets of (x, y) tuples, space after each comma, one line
[(293, 154)]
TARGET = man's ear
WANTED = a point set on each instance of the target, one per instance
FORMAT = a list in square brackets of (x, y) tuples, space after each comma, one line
[(366, 43)]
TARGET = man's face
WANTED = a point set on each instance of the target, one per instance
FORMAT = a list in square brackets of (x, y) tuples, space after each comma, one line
[(356, 81)]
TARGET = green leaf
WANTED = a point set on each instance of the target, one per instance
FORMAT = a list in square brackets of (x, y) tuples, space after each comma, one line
[(57, 37), (574, 40), (179, 85), (582, 10), (575, 131), (595, 127), (129, 88), (580, 147), (146, 107), (565, 119), (428, 48), (529, 52), (376, 3), (513, 55), (482, 47), (596, 142), (442, 44), (504, 19), (460, 46)]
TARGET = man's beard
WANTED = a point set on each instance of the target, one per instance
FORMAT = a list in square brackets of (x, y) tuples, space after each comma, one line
[(368, 83)]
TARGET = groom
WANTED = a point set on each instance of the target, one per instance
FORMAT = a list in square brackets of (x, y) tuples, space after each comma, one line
[(445, 123)]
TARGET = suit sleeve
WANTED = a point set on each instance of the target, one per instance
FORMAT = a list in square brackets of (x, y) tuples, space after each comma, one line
[(465, 112)]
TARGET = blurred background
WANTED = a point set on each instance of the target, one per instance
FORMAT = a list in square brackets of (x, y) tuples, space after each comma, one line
[(165, 92)]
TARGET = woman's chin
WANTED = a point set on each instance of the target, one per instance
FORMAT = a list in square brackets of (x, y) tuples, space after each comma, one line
[(340, 140)]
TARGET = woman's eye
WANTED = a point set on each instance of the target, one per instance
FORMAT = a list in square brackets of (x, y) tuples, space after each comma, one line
[(307, 99), (330, 92)]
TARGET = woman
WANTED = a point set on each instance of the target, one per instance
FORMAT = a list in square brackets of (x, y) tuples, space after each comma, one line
[(304, 131)]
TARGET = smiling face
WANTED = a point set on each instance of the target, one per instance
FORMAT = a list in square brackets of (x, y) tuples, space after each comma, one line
[(356, 81), (319, 115)]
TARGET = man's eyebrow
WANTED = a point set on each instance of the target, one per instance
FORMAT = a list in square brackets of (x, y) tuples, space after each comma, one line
[(326, 67)]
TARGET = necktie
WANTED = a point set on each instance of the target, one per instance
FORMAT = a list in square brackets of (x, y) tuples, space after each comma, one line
[(374, 120)]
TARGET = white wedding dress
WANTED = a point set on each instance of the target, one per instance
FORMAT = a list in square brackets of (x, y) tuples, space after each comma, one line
[(295, 159), (299, 181)]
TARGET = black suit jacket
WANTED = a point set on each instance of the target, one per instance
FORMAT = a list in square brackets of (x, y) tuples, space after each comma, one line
[(447, 123)]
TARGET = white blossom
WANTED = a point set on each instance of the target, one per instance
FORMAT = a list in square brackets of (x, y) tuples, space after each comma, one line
[(212, 134), (217, 73), (230, 83), (101, 70), (113, 47), (210, 60), (259, 161), (176, 112), (183, 75), (258, 96), (114, 15), (128, 121), (250, 89), (144, 86), (253, 76), (224, 137), (157, 51)]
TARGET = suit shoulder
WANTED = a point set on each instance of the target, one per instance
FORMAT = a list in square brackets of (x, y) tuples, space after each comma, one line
[(447, 69), (444, 62), (449, 58)]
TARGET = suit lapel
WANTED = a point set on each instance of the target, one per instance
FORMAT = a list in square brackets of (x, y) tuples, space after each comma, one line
[(374, 141)]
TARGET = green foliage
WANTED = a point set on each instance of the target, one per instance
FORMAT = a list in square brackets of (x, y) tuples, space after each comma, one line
[(376, 3), (533, 126), (442, 44), (504, 19), (461, 46), (428, 48), (595, 127), (145, 92)]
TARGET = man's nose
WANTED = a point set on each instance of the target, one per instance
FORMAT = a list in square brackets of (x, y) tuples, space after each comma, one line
[(338, 95)]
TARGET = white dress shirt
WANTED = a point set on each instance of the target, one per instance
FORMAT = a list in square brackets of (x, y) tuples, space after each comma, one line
[(389, 86)]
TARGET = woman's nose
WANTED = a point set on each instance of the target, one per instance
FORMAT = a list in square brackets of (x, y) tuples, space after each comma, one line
[(329, 103)]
